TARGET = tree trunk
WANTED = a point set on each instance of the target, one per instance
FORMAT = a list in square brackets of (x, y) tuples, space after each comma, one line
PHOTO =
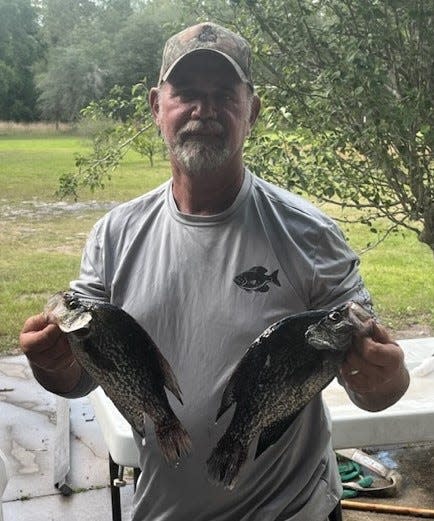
[(427, 234)]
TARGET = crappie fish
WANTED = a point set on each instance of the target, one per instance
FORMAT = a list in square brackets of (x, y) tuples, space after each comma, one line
[(122, 358), (282, 370), (257, 279)]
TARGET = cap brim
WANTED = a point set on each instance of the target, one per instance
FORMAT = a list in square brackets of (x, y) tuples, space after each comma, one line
[(234, 64)]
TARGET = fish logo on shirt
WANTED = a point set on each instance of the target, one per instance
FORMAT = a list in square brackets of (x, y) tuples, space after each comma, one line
[(256, 279)]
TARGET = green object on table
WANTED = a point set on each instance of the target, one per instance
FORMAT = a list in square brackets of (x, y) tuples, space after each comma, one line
[(349, 470), (348, 494), (366, 481)]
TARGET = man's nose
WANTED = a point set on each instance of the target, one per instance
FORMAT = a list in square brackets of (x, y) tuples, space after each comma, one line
[(204, 107)]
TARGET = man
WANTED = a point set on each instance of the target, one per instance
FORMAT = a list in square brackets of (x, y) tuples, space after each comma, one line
[(176, 259)]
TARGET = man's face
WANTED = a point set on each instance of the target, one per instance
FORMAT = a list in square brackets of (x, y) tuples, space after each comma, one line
[(204, 113)]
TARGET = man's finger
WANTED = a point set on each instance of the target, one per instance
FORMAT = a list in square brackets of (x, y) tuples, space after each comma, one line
[(35, 323), (379, 354), (380, 334)]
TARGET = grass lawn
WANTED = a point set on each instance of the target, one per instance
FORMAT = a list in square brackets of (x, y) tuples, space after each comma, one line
[(41, 240), (399, 273)]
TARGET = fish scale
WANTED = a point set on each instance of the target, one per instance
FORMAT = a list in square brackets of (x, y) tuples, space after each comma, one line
[(122, 358), (282, 370)]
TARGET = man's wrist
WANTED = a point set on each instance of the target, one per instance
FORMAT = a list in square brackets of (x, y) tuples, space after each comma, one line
[(60, 381), (380, 399)]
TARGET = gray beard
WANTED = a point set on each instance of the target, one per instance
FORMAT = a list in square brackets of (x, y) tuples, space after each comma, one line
[(198, 157)]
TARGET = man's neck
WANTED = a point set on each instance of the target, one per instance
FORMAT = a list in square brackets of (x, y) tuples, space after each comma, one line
[(207, 194)]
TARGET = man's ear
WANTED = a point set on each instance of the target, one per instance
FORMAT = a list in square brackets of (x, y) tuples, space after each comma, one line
[(154, 103), (254, 109)]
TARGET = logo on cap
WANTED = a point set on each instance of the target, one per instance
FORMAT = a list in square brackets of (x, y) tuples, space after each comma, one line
[(207, 34)]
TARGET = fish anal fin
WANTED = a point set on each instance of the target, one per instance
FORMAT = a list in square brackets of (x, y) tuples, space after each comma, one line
[(271, 434), (170, 380), (228, 398)]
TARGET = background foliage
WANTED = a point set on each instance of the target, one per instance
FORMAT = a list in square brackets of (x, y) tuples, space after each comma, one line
[(42, 238), (19, 49), (347, 90), (355, 80)]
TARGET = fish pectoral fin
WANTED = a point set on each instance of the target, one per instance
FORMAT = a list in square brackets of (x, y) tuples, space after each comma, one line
[(271, 434), (264, 288)]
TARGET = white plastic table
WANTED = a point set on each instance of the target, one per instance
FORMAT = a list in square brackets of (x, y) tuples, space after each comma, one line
[(410, 420), (4, 474)]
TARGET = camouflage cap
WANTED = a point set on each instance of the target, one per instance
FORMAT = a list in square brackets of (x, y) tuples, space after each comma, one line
[(211, 37)]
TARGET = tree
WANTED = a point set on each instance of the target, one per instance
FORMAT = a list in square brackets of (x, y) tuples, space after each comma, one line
[(72, 80), (131, 128), (348, 90), (59, 20), (137, 50), (79, 36), (19, 48)]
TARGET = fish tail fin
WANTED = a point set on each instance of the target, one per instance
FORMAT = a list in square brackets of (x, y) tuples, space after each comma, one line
[(173, 439), (225, 462), (274, 277)]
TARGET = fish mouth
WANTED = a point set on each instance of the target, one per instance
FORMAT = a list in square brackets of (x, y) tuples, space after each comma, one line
[(318, 343), (64, 310), (360, 317)]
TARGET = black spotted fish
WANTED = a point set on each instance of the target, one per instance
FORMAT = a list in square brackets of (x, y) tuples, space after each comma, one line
[(282, 370), (256, 279), (122, 358)]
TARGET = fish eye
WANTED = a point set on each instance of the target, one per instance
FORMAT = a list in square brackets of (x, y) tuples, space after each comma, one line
[(73, 303), (334, 316)]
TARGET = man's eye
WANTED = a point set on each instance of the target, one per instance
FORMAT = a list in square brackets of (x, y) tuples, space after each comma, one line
[(186, 95), (226, 96)]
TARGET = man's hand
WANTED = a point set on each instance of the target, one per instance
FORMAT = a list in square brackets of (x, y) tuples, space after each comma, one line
[(49, 354), (374, 373)]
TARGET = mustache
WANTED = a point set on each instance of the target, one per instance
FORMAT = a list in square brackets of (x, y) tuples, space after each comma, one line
[(210, 127)]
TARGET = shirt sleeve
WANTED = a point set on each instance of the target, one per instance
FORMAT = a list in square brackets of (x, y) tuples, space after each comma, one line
[(85, 385), (336, 278), (89, 285)]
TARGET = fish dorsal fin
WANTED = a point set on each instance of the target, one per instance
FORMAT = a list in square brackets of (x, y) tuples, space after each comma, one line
[(170, 380), (259, 269)]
